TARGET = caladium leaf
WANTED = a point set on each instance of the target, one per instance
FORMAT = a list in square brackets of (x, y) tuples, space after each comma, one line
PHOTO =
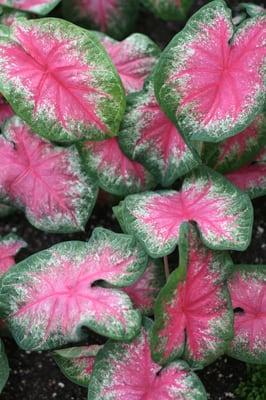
[(169, 9), (45, 180), (247, 287), (115, 17), (145, 290), (210, 79), (59, 79), (4, 368), (134, 58), (9, 247), (77, 363), (127, 371), (9, 16), (251, 178), (54, 293), (223, 213), (5, 210), (115, 172), (40, 7), (193, 314), (238, 150), (147, 135), (5, 110)]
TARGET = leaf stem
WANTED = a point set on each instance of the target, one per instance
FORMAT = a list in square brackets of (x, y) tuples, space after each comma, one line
[(166, 267)]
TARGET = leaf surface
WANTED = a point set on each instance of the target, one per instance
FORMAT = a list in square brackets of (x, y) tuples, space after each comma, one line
[(40, 7), (169, 9), (58, 78), (210, 79), (10, 245), (45, 180), (247, 287), (56, 292)]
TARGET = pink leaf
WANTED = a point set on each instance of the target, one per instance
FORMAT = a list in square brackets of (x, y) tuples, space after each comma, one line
[(116, 173), (127, 371), (5, 110), (54, 293), (193, 317), (41, 7), (44, 180), (10, 245), (247, 287), (60, 81)]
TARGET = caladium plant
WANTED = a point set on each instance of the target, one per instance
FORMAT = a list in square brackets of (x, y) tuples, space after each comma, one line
[(115, 17), (59, 79), (10, 245), (46, 181), (210, 78)]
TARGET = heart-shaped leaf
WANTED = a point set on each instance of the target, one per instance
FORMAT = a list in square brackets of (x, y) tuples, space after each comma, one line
[(5, 210), (59, 79), (45, 180), (77, 363), (145, 290), (210, 79), (4, 368), (223, 213), (251, 178), (115, 172), (9, 247), (168, 9), (247, 287), (127, 371), (134, 59), (115, 17), (40, 7), (56, 292), (193, 315), (148, 136), (5, 110), (238, 150)]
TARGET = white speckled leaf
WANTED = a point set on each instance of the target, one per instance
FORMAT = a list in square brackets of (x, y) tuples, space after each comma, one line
[(48, 298)]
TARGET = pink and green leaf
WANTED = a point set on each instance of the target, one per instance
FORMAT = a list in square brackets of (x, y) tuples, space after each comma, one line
[(169, 9), (10, 245), (148, 136), (210, 78), (247, 287), (48, 298), (224, 215), (193, 315), (113, 170), (134, 58), (58, 78), (237, 150), (145, 290), (114, 17), (127, 371), (5, 111), (251, 178), (46, 181), (76, 363), (40, 7), (9, 16), (4, 367)]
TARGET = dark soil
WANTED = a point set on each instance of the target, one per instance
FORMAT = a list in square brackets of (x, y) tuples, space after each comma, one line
[(35, 376)]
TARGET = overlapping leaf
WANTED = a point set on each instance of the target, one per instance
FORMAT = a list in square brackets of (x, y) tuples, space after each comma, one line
[(193, 315), (77, 363), (9, 247), (238, 150), (50, 296), (4, 368), (58, 78), (251, 178), (115, 17), (148, 136), (210, 79), (40, 7), (45, 180), (169, 9), (5, 110), (9, 16), (134, 59), (223, 214), (247, 287), (115, 172), (127, 371)]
